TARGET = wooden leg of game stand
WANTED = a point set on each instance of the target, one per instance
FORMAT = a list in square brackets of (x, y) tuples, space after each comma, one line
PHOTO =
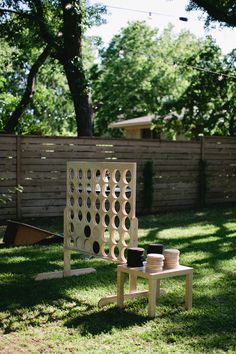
[(67, 261), (67, 252)]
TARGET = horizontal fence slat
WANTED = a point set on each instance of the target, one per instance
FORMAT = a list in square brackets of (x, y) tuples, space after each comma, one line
[(177, 172)]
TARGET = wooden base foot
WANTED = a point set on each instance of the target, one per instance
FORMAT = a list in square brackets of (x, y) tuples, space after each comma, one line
[(57, 275), (113, 298)]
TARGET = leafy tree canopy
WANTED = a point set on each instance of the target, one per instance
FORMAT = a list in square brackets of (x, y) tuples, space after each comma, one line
[(176, 77), (137, 74), (207, 106), (59, 26), (223, 11)]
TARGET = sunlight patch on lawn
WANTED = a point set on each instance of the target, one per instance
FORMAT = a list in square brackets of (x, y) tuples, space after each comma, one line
[(193, 230)]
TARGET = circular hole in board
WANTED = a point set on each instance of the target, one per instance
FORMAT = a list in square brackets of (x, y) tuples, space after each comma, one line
[(116, 207), (88, 202), (106, 235), (71, 173), (117, 176), (80, 201), (106, 220), (105, 250), (98, 176), (127, 192), (80, 215), (80, 174), (72, 201), (127, 176), (80, 188), (72, 187), (126, 208), (89, 188), (87, 231), (88, 216), (115, 222), (97, 218), (106, 190), (97, 204), (106, 175), (72, 215), (71, 227), (116, 191), (116, 251), (106, 205), (89, 174), (98, 189), (126, 223), (96, 247)]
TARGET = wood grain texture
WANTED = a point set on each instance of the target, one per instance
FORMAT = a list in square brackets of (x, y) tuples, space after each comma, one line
[(39, 164)]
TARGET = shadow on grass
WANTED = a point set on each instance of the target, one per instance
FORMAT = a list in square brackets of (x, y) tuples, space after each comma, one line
[(212, 320), (222, 238), (105, 320)]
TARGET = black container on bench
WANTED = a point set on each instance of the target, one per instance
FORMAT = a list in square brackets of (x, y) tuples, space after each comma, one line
[(135, 257), (155, 248)]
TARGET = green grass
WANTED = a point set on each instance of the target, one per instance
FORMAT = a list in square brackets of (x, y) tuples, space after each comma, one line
[(62, 316)]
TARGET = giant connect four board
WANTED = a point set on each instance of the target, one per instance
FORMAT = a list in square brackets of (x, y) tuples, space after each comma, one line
[(100, 208)]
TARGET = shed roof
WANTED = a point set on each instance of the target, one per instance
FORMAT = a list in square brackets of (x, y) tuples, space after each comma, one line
[(146, 120)]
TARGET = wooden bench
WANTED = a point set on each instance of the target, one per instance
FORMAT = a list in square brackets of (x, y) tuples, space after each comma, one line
[(154, 284)]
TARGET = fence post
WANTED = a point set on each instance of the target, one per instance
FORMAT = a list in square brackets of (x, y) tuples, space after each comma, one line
[(18, 176), (202, 175), (148, 190)]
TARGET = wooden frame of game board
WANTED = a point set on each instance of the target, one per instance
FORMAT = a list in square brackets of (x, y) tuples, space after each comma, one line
[(99, 219)]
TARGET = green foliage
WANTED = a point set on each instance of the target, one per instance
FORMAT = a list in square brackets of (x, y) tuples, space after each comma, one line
[(29, 26), (8, 197), (137, 76), (51, 111), (62, 315), (223, 11), (207, 106), (121, 84), (142, 72)]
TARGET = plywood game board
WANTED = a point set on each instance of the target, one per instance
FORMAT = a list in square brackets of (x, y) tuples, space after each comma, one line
[(100, 211)]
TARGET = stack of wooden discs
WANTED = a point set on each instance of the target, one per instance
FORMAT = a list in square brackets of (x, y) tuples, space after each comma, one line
[(171, 258), (154, 262)]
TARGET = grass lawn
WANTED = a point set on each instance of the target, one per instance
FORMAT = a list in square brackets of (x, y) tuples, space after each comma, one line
[(62, 316)]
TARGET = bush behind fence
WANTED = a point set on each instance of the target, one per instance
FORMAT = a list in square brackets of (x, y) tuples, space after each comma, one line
[(185, 174)]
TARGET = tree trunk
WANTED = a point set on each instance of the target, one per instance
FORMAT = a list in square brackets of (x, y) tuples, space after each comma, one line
[(72, 61), (79, 92), (29, 92)]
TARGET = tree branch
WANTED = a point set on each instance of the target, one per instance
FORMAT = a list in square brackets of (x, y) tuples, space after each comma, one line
[(216, 11), (40, 19), (21, 14), (29, 91)]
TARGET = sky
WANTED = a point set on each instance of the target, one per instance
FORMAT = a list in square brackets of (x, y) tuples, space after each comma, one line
[(168, 11)]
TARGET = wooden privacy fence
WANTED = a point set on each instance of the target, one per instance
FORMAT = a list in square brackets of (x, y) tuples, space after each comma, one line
[(186, 174)]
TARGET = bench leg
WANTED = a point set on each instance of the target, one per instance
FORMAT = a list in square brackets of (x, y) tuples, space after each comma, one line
[(152, 297), (159, 288), (188, 290), (132, 283)]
